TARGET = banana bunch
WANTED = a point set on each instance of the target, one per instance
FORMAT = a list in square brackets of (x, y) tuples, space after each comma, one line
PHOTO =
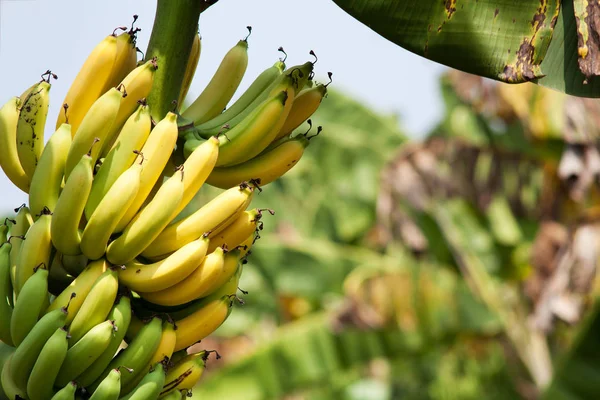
[(104, 282)]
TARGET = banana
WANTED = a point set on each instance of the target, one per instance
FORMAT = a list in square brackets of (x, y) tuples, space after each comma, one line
[(156, 151), (82, 354), (132, 138), (190, 68), (9, 157), (216, 269), (137, 84), (137, 354), (27, 352), (125, 58), (305, 104), (4, 231), (75, 294), (212, 217), (149, 386), (90, 82), (174, 395), (246, 245), (48, 177), (74, 265), (30, 305), (9, 387), (41, 380), (35, 249), (66, 393), (164, 273), (30, 129), (110, 387), (109, 212), (23, 221), (185, 374), (149, 223), (94, 127), (6, 294), (66, 236), (265, 168), (121, 316), (242, 228), (256, 131), (58, 277), (96, 306), (222, 86), (256, 88)]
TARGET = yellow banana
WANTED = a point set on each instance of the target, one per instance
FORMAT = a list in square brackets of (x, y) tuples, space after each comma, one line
[(9, 157), (273, 163), (212, 217), (125, 58), (222, 86), (190, 68), (109, 212), (94, 128), (35, 249), (30, 129), (23, 221), (156, 151), (164, 273), (305, 104), (242, 228), (132, 138), (47, 179), (246, 245), (137, 85), (68, 211), (149, 223), (90, 82), (185, 374)]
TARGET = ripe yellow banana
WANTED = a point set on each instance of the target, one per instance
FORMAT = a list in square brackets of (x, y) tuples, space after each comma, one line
[(132, 138), (109, 212), (90, 82), (156, 151), (305, 104), (164, 273), (9, 157), (48, 178), (149, 223), (30, 129), (222, 86), (212, 217), (185, 374), (125, 58), (23, 221), (68, 211), (190, 68), (273, 163), (242, 228)]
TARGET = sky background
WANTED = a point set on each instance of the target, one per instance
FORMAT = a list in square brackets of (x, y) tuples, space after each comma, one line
[(36, 35)]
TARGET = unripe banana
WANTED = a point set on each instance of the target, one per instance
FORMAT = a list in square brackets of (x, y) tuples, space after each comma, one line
[(164, 273), (30, 305), (174, 395), (6, 294), (82, 354), (66, 235), (212, 217), (238, 231), (23, 222), (156, 151), (305, 104), (94, 127), (185, 374), (27, 352), (48, 177), (74, 265), (190, 68), (41, 380), (75, 294), (90, 82), (121, 316), (132, 138), (109, 212), (35, 249), (3, 232), (222, 86), (30, 129), (149, 223), (149, 386), (96, 306), (9, 387), (9, 157), (110, 387), (66, 393)]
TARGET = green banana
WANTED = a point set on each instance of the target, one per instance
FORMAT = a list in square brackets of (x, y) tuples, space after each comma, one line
[(30, 305), (83, 353), (23, 221), (121, 316), (109, 388), (66, 393), (4, 231), (66, 235), (96, 306), (41, 380), (9, 158), (150, 386), (48, 176), (9, 387), (6, 294), (74, 265), (174, 395)]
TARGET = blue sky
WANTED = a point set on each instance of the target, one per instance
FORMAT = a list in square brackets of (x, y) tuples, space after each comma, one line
[(36, 35)]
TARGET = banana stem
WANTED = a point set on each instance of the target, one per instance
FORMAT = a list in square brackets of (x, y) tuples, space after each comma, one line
[(175, 26)]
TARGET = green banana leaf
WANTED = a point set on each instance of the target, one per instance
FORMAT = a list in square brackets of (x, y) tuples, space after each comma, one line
[(512, 41)]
